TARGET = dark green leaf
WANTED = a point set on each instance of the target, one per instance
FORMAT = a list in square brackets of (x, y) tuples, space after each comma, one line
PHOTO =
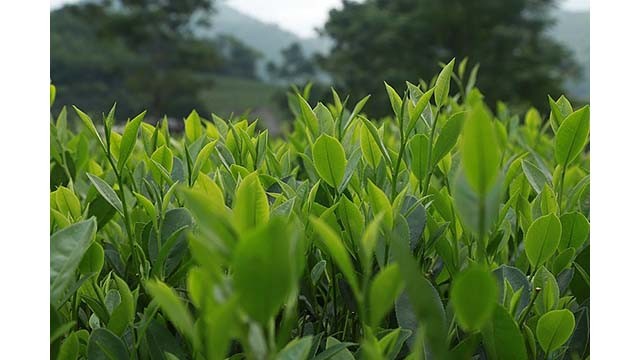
[(105, 345), (68, 247), (385, 288), (502, 338), (106, 192)]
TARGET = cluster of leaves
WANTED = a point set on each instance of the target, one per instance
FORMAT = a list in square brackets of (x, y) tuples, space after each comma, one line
[(445, 231)]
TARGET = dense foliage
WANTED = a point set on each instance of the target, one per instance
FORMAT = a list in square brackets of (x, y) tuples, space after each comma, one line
[(400, 40), (446, 231)]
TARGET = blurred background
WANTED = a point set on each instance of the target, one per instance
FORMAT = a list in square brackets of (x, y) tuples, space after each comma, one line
[(242, 56)]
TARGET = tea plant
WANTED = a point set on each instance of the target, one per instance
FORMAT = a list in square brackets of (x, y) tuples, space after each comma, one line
[(445, 231)]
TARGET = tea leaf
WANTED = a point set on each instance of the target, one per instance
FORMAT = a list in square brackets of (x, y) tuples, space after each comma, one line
[(447, 138), (162, 342), (373, 131), (106, 192), (421, 104), (419, 147), (123, 315), (264, 270), (68, 247), (380, 204), (93, 260), (103, 344), (542, 239), (443, 83), (202, 157), (296, 349), (385, 288), (502, 337), (473, 295), (335, 350), (572, 136), (535, 176), (329, 160), (70, 348), (395, 99), (67, 202), (86, 120), (162, 164), (369, 241), (480, 156), (251, 208), (129, 138), (554, 329), (52, 94), (172, 306), (575, 230), (308, 115), (550, 295), (517, 280), (424, 299), (336, 249), (370, 150), (192, 127)]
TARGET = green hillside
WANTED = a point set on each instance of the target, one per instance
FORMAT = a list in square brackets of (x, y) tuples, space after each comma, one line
[(267, 38), (238, 96)]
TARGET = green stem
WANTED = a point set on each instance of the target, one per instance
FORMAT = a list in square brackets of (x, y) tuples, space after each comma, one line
[(125, 211), (529, 306), (481, 250), (561, 188), (431, 138), (334, 285), (394, 180), (454, 232)]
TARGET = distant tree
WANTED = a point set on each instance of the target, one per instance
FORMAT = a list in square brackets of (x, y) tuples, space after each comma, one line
[(295, 68), (238, 59), (141, 53), (89, 70), (400, 40)]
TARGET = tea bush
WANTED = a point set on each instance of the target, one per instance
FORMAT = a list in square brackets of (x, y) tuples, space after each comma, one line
[(445, 231)]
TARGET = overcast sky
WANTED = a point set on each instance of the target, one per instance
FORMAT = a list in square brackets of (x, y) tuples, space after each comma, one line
[(302, 17)]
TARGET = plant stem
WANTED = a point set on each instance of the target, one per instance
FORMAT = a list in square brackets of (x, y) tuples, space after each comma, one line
[(394, 180), (529, 306), (561, 188), (335, 297), (432, 136), (395, 174), (125, 211)]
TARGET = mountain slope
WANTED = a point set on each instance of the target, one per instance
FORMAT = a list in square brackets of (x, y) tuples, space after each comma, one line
[(267, 38), (571, 29)]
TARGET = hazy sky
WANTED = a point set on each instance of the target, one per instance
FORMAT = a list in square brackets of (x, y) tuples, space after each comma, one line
[(301, 17)]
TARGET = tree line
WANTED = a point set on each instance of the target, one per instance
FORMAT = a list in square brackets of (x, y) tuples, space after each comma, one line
[(145, 54)]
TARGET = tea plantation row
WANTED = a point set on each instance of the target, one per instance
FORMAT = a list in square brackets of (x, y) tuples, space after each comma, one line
[(445, 231)]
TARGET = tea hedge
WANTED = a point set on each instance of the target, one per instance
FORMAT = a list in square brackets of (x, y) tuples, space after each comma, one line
[(445, 231)]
